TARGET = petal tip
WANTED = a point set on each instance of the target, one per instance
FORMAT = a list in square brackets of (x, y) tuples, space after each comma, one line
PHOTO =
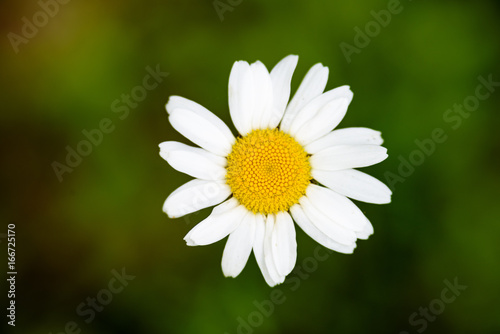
[(170, 105), (189, 241), (170, 214)]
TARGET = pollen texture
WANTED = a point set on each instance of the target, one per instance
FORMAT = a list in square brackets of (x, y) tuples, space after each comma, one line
[(268, 171)]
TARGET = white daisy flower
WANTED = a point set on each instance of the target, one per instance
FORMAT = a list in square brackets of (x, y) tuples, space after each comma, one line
[(285, 165)]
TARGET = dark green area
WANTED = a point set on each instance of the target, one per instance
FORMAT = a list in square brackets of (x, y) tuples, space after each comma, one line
[(106, 214)]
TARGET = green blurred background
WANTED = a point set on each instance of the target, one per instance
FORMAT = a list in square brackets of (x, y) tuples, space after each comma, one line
[(443, 222)]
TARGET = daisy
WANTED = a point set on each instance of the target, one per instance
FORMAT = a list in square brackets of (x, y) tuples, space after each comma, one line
[(285, 165)]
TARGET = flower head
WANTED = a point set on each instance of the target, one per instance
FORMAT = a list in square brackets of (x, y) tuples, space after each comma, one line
[(287, 164)]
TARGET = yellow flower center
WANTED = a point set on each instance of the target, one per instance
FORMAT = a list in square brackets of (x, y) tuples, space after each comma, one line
[(268, 171)]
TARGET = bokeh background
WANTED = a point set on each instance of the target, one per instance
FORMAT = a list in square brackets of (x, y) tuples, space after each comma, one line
[(443, 222)]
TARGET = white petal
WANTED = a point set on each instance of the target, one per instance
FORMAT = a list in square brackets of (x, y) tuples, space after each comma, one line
[(313, 85), (329, 227), (258, 249), (193, 161), (337, 207), (241, 96), (354, 184), (367, 231), (200, 125), (195, 195), (347, 136), (284, 244), (263, 95), (271, 264), (311, 109), (348, 156), (179, 102), (308, 227), (238, 247), (281, 76), (327, 118), (224, 219)]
